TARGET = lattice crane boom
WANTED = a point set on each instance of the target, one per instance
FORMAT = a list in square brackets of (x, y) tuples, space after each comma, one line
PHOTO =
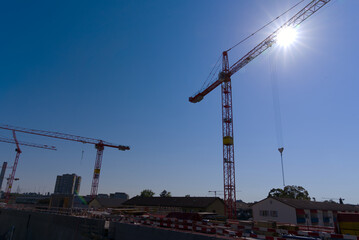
[(8, 140), (63, 136), (224, 79), (293, 22), (99, 145)]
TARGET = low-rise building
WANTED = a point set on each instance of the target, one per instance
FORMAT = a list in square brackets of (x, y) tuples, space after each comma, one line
[(106, 203), (301, 212), (30, 198), (244, 210), (165, 205), (120, 195)]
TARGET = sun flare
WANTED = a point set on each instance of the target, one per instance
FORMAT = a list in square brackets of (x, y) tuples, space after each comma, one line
[(286, 36)]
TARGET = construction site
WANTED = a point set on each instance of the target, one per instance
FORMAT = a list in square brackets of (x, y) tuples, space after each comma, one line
[(282, 166)]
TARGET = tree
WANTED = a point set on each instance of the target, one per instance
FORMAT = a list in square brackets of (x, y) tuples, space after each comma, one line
[(295, 192), (147, 193), (164, 193), (187, 195)]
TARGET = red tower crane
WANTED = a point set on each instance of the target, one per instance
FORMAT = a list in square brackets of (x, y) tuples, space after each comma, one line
[(99, 145), (224, 79), (18, 152)]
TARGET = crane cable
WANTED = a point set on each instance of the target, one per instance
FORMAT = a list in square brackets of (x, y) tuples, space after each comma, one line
[(277, 110), (243, 40), (276, 103), (212, 74)]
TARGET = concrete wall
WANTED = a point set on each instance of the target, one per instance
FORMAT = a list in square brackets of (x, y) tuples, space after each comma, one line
[(123, 231), (41, 226), (286, 214), (44, 226)]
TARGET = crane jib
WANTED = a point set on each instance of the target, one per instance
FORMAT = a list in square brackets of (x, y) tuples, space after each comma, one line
[(64, 136), (294, 21)]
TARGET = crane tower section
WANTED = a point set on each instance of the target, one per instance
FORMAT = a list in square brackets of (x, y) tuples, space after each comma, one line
[(227, 133)]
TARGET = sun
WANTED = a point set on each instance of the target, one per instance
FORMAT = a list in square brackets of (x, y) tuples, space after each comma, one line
[(286, 36)]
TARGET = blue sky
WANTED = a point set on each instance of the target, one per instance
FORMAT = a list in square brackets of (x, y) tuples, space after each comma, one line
[(122, 71)]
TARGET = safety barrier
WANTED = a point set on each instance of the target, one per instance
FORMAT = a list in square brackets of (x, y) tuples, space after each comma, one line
[(232, 229)]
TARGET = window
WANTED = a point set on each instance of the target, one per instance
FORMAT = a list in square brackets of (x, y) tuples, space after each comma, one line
[(266, 213), (274, 213), (263, 213)]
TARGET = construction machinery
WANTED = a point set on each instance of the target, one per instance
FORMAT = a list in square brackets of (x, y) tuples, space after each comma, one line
[(11, 178), (224, 79), (99, 145)]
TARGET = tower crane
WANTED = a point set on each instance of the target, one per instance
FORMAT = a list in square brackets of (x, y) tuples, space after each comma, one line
[(18, 152), (215, 192), (224, 79), (99, 145)]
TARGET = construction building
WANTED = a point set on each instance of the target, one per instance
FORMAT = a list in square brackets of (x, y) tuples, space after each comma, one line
[(62, 201), (67, 184), (165, 205), (301, 212)]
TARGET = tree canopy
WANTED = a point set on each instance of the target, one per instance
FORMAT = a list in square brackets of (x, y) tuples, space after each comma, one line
[(147, 193), (164, 193), (295, 192)]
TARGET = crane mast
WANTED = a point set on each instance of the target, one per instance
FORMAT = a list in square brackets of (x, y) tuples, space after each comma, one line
[(99, 145), (224, 79), (228, 147), (12, 175)]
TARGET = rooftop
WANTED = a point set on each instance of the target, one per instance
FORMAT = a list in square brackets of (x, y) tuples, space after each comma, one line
[(110, 202), (307, 204), (172, 201)]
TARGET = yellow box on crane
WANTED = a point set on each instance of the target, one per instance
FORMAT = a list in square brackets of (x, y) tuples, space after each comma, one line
[(227, 140)]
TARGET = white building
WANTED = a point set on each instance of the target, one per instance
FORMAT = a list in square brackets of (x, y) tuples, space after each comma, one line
[(302, 212)]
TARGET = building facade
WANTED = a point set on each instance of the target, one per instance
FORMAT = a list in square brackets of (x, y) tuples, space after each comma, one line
[(67, 184), (301, 212)]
